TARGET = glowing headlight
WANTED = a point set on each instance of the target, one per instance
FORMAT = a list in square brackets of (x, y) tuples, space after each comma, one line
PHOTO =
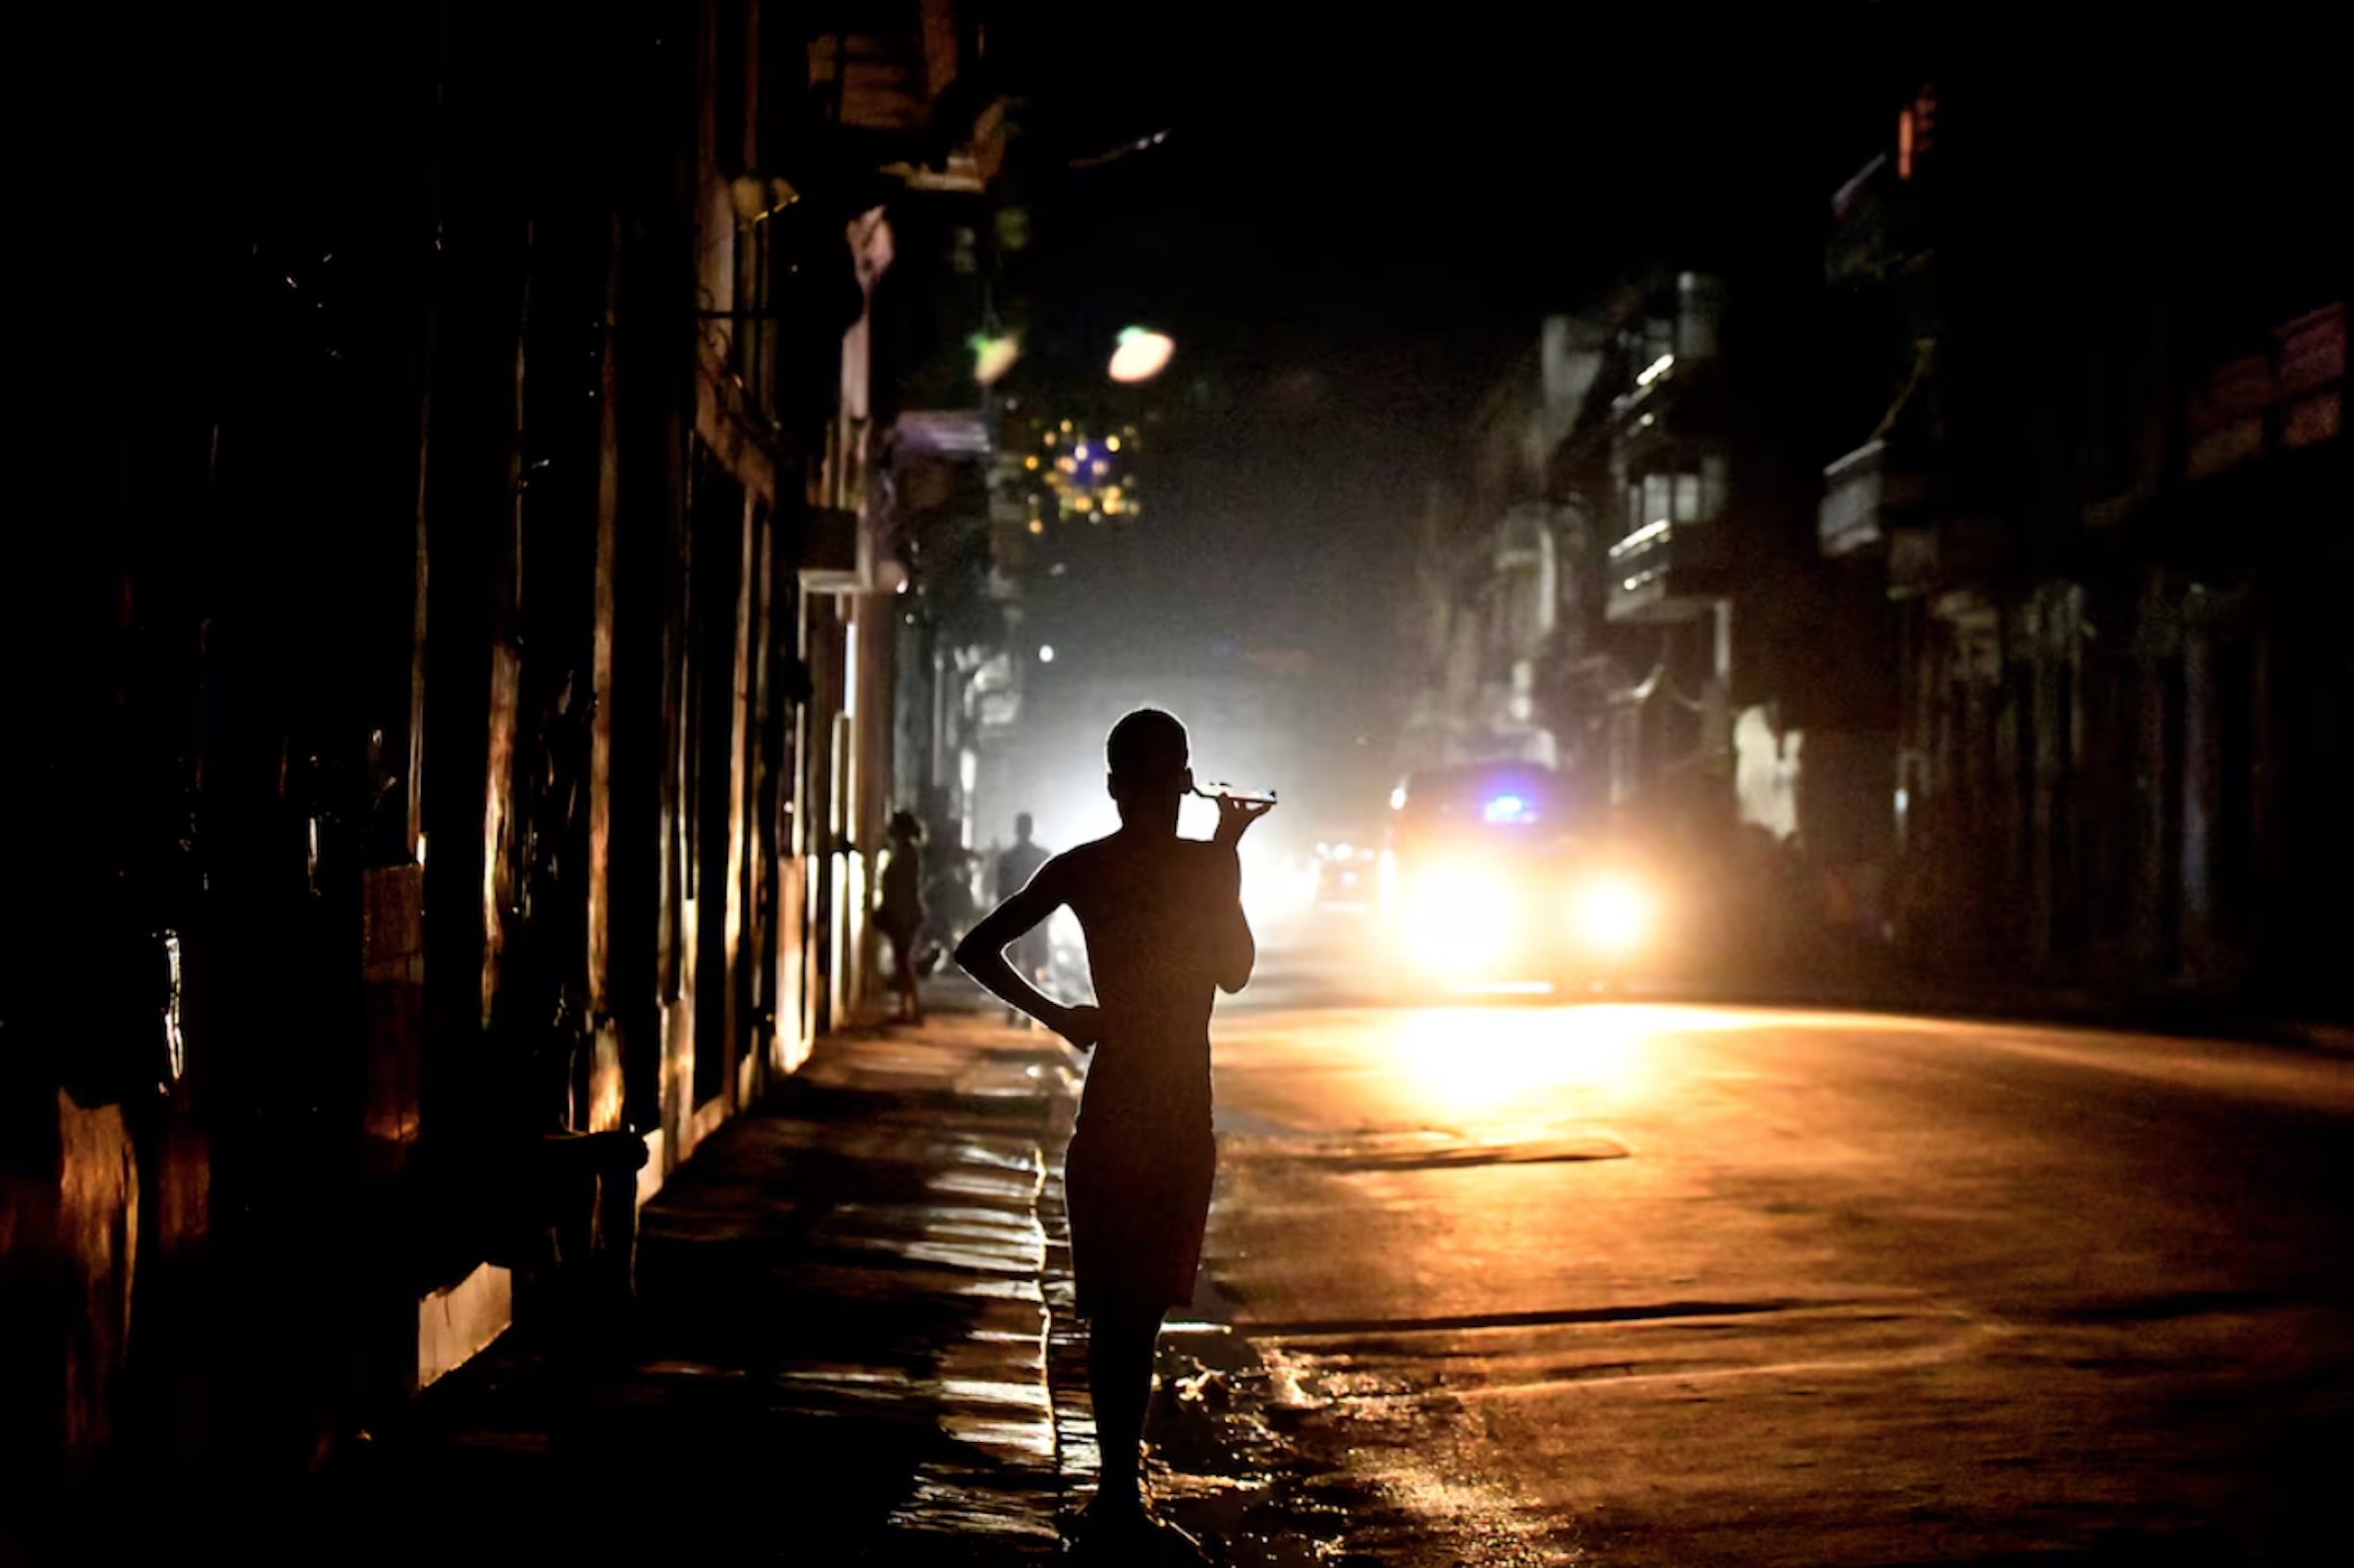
[(1613, 916)]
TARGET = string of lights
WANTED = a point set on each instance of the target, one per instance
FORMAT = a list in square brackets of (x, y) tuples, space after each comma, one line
[(1071, 473)]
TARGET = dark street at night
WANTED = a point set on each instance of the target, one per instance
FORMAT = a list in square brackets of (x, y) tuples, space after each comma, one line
[(1656, 1282), (995, 781)]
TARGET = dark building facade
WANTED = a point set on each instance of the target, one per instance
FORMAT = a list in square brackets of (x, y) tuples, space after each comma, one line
[(2104, 484), (466, 682), (1962, 610)]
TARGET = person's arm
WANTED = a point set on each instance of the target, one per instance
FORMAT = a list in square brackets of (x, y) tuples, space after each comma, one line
[(1234, 950), (982, 955)]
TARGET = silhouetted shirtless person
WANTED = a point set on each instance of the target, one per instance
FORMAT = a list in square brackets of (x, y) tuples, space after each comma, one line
[(1164, 929)]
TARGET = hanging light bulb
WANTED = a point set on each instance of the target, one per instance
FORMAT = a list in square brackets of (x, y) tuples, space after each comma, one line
[(1141, 354)]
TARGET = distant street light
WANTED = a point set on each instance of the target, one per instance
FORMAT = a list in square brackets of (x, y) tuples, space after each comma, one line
[(994, 357), (1141, 354), (1045, 655)]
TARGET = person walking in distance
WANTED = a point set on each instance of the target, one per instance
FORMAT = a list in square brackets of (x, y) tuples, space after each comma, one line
[(1032, 953), (1164, 928), (898, 910)]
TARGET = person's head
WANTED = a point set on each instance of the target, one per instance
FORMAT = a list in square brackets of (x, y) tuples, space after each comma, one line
[(1023, 828), (905, 828), (1150, 769)]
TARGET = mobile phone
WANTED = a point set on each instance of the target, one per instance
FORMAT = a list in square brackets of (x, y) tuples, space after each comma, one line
[(1235, 792)]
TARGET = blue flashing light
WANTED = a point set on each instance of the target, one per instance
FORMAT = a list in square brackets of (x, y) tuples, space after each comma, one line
[(1506, 808)]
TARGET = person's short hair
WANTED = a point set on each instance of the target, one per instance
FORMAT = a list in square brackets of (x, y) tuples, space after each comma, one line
[(1023, 822), (1148, 750), (907, 825)]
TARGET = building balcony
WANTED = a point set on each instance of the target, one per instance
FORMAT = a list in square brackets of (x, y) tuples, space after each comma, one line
[(1866, 495), (1671, 402), (1937, 557), (1642, 432), (1666, 571), (956, 434)]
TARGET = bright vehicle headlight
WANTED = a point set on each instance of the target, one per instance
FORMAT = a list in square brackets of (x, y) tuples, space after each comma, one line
[(1613, 916)]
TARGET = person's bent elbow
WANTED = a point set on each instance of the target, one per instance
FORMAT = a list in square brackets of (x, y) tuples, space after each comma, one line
[(970, 954), (1236, 972)]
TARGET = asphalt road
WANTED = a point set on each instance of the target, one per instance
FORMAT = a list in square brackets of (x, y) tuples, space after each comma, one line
[(1520, 1282)]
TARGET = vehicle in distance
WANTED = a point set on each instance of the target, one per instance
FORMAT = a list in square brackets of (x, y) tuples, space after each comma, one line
[(1505, 875), (1347, 874)]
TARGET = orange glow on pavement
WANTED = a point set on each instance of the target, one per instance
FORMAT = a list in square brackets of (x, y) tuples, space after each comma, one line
[(1477, 1065)]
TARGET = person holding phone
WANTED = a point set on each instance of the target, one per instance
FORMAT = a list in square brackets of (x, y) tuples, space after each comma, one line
[(1165, 932)]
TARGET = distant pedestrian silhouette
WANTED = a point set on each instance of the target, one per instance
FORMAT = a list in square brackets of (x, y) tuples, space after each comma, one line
[(898, 909), (1032, 953), (1164, 928)]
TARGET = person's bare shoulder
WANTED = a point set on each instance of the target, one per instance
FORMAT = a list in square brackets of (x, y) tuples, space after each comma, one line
[(1078, 869)]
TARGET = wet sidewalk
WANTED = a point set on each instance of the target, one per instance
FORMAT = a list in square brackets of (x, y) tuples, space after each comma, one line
[(847, 1310)]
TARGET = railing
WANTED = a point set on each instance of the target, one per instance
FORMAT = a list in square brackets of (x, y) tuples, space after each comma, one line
[(1854, 489), (1643, 566), (1868, 497)]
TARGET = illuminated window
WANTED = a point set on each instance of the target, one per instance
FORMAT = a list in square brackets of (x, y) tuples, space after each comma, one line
[(1659, 496)]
